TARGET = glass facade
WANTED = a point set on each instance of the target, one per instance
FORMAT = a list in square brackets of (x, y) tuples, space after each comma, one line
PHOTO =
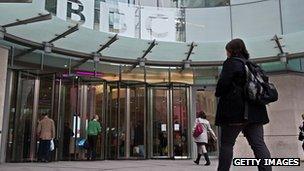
[(145, 111), (124, 108)]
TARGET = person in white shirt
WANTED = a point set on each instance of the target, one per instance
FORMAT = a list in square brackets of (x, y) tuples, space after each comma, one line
[(202, 140)]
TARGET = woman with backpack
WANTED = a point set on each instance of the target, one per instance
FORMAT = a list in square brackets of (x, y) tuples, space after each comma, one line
[(234, 113), (200, 134)]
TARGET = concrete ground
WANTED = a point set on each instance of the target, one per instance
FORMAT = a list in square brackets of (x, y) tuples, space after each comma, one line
[(127, 165)]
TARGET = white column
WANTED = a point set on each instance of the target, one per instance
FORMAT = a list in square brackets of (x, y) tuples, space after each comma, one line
[(3, 69)]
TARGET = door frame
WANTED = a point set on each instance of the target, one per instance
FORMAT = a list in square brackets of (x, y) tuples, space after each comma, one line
[(169, 87)]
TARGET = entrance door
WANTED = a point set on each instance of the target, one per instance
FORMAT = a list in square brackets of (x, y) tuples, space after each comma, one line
[(169, 122), (159, 113), (23, 118), (80, 100), (137, 121), (125, 121), (180, 122)]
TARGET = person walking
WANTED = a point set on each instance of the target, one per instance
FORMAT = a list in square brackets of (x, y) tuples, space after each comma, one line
[(202, 140), (45, 133), (94, 129), (231, 111), (301, 133)]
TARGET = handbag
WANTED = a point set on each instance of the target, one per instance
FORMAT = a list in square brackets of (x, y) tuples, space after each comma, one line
[(52, 145)]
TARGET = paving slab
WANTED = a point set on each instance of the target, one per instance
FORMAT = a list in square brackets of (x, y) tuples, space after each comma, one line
[(128, 165)]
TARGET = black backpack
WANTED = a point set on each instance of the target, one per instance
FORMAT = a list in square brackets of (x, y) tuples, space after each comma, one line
[(258, 89)]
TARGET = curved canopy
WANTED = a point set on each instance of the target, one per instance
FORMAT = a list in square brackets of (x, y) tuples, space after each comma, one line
[(30, 25)]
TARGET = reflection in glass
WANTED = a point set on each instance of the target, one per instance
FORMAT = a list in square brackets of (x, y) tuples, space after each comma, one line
[(68, 103), (137, 113), (121, 129), (20, 127), (112, 123), (160, 122), (180, 122)]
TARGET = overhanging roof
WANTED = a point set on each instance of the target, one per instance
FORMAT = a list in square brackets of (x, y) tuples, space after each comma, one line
[(125, 50)]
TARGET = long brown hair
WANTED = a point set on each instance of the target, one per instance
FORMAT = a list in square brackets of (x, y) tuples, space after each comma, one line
[(237, 48)]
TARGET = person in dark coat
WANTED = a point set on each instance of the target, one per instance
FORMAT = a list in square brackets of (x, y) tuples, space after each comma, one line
[(302, 129), (231, 115)]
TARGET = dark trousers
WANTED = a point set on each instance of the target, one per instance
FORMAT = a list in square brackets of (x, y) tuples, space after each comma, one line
[(254, 134), (92, 139), (44, 150)]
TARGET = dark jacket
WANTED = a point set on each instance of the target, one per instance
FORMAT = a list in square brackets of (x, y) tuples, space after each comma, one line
[(231, 105)]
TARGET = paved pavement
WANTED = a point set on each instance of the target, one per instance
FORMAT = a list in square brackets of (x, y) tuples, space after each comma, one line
[(127, 165)]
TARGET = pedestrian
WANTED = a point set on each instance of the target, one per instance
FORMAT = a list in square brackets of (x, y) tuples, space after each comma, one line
[(93, 130), (231, 111), (67, 135), (202, 140), (301, 133), (45, 134)]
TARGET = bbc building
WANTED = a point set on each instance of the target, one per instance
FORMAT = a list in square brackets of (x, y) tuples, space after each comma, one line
[(146, 67)]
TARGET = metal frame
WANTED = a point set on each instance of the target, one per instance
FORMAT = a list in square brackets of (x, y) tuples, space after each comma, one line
[(143, 57), (39, 46), (111, 41), (276, 39), (6, 115), (34, 118), (29, 20), (44, 44)]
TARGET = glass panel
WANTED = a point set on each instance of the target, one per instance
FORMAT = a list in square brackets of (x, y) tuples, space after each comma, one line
[(208, 24), (160, 122), (151, 20), (180, 122), (256, 19), (234, 2), (137, 74), (186, 76), (20, 128), (45, 103), (206, 101), (204, 3), (116, 125), (45, 95), (11, 133), (94, 107), (291, 10), (157, 75), (112, 124), (205, 75), (137, 120), (122, 124), (68, 118)]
